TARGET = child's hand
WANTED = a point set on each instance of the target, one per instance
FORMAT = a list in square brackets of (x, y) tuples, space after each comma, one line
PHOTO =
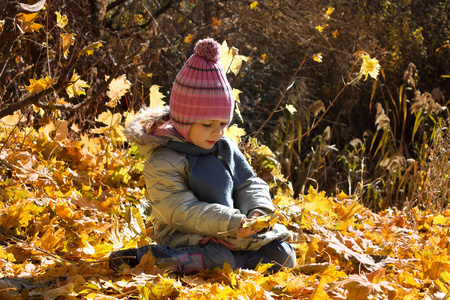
[(245, 230), (256, 214)]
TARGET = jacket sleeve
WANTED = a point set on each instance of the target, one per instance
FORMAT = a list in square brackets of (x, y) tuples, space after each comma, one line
[(166, 176), (253, 192), (253, 195)]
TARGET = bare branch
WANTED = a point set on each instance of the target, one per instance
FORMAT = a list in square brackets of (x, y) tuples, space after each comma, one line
[(34, 99), (10, 33), (101, 90)]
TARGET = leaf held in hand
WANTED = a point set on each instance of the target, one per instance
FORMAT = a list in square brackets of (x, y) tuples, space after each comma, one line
[(263, 222)]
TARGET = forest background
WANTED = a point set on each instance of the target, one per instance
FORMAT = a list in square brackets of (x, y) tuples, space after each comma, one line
[(73, 72)]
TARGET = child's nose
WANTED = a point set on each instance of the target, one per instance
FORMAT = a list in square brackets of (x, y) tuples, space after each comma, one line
[(218, 130)]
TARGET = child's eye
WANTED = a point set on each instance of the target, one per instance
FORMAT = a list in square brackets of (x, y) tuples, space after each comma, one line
[(206, 124)]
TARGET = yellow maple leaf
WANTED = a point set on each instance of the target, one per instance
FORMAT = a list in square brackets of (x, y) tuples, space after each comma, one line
[(236, 93), (61, 21), (89, 50), (265, 221), (327, 276), (335, 33), (317, 57), (12, 120), (216, 23), (27, 23), (319, 203), (47, 130), (296, 286), (321, 28), (117, 88), (7, 256), (230, 60), (439, 220), (291, 108), (113, 128), (365, 286), (219, 291), (253, 4), (67, 40), (76, 88), (432, 265), (369, 66), (19, 215), (235, 133), (139, 19), (109, 119), (156, 97), (62, 130), (51, 240), (329, 11), (39, 85), (188, 39)]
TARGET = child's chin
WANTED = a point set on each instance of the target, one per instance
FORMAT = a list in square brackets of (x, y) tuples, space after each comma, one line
[(208, 145)]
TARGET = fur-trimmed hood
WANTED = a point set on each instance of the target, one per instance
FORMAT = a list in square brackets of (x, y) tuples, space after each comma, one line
[(141, 130)]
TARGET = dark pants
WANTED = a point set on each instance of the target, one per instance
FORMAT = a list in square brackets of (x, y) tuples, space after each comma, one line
[(188, 260)]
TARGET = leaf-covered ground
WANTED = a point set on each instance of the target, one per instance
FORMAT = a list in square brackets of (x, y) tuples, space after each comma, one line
[(66, 203)]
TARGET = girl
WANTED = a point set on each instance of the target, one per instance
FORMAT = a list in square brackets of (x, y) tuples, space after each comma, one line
[(201, 189)]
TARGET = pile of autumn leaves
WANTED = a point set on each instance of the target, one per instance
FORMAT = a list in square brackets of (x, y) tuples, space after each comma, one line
[(66, 203)]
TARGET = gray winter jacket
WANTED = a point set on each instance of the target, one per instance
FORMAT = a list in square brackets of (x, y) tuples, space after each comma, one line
[(178, 217)]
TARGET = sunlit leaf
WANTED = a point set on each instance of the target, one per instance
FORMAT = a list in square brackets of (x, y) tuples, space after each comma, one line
[(89, 50), (235, 133), (230, 60), (291, 108), (117, 88), (216, 23), (62, 130), (262, 222), (327, 276), (39, 85), (138, 19), (253, 4), (61, 21), (188, 39), (369, 67), (335, 33), (67, 40), (329, 11), (321, 27), (77, 87), (317, 57), (19, 215), (27, 23), (12, 120), (156, 97)]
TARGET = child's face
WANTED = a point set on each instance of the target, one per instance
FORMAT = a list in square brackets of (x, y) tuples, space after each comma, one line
[(205, 134)]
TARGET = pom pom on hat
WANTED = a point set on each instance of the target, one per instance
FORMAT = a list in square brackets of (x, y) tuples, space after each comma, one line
[(208, 49), (201, 90)]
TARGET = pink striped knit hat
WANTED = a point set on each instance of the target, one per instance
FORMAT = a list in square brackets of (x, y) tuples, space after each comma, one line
[(201, 90)]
